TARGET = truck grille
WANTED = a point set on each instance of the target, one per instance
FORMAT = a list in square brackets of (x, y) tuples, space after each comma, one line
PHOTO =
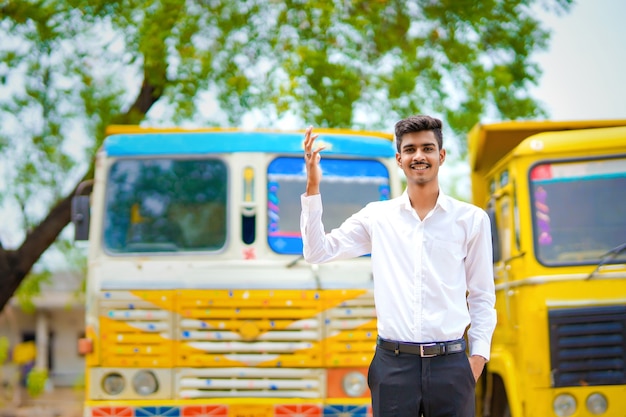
[(265, 343), (587, 346), (136, 329), (239, 343), (265, 328)]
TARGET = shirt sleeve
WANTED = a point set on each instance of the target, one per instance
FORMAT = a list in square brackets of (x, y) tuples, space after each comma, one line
[(481, 296), (349, 240)]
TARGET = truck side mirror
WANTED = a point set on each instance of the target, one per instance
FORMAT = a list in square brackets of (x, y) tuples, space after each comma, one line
[(81, 210), (81, 216)]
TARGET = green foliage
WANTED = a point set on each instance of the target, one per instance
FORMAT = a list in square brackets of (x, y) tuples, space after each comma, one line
[(321, 60), (4, 349), (77, 66), (76, 263), (30, 287), (36, 382)]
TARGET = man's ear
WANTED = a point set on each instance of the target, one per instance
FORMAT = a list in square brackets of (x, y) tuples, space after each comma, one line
[(442, 156), (398, 159)]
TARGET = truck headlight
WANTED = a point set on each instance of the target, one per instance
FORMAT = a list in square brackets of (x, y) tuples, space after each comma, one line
[(564, 405), (597, 403), (145, 383), (354, 384), (113, 383)]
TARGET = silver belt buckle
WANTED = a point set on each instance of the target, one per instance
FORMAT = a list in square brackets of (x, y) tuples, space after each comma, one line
[(424, 355)]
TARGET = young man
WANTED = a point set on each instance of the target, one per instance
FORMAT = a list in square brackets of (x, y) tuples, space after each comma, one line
[(432, 266)]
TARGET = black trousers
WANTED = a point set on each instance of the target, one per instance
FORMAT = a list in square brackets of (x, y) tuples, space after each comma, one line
[(407, 385)]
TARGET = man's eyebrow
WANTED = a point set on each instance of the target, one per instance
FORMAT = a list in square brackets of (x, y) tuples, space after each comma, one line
[(412, 145)]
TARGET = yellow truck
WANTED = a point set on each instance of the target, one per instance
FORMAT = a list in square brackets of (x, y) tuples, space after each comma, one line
[(198, 300), (556, 194)]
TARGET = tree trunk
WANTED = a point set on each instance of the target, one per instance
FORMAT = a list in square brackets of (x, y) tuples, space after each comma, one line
[(16, 264)]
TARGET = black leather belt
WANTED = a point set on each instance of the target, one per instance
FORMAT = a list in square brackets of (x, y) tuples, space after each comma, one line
[(425, 350)]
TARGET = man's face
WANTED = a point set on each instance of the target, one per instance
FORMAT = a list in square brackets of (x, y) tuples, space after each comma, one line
[(420, 157)]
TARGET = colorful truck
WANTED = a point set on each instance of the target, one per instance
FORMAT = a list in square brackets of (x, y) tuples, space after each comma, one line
[(198, 300), (556, 194)]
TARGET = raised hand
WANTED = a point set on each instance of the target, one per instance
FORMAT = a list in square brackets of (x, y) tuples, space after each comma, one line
[(312, 162)]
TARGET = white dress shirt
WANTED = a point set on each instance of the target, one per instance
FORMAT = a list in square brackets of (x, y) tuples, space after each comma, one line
[(432, 277)]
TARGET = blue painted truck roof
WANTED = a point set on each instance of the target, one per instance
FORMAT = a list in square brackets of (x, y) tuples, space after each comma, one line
[(211, 142)]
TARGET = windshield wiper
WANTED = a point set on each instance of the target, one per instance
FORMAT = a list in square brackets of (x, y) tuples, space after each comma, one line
[(611, 254), (295, 261)]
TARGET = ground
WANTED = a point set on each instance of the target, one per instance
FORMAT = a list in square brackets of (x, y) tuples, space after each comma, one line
[(61, 402)]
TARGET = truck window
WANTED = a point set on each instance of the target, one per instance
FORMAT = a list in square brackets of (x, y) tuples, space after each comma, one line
[(578, 210), (164, 205), (347, 186)]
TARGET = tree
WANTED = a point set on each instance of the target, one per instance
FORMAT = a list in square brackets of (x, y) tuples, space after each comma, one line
[(69, 68)]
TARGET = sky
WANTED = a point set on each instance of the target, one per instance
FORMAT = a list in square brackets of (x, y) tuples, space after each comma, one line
[(584, 69)]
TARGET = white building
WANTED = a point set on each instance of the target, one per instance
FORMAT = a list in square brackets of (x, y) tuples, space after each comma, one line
[(55, 326)]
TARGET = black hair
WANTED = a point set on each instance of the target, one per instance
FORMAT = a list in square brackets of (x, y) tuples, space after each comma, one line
[(419, 123)]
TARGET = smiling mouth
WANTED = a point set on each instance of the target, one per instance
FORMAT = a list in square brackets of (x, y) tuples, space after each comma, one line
[(419, 167)]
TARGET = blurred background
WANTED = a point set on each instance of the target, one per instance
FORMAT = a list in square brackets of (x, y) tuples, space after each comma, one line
[(69, 68)]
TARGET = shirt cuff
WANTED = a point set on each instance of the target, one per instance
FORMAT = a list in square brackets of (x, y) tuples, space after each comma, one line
[(480, 348), (311, 202)]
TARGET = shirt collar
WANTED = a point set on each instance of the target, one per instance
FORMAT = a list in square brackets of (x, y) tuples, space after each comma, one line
[(442, 201)]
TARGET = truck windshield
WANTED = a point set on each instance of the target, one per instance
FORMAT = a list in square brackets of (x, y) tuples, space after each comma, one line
[(161, 205), (579, 210)]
